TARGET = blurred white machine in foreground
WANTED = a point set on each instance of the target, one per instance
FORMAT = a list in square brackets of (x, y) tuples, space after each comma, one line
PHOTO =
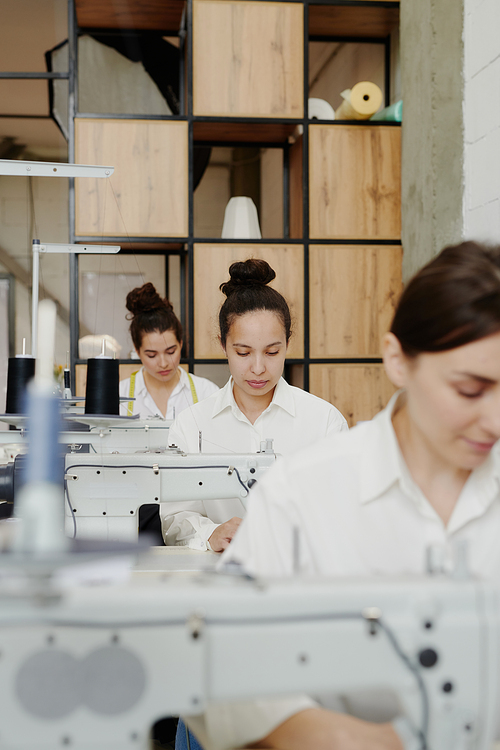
[(93, 667), (96, 667)]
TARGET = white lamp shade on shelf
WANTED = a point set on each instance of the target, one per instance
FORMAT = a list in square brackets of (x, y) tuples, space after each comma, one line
[(241, 221)]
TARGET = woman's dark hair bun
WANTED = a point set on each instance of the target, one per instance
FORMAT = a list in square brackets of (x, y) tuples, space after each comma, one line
[(149, 312), (145, 299), (251, 272), (247, 291)]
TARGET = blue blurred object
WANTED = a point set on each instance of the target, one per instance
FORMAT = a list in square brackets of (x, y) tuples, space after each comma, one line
[(184, 739), (45, 457)]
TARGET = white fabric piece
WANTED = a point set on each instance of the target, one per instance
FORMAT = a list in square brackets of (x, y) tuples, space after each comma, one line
[(180, 399), (319, 109), (293, 419)]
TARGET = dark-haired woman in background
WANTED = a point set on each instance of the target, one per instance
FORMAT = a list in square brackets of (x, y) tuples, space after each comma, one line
[(160, 387), (255, 404)]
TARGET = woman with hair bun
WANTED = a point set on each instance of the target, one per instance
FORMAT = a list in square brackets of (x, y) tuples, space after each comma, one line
[(160, 387), (255, 404)]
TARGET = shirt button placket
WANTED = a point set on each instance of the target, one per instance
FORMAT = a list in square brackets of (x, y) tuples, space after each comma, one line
[(255, 440)]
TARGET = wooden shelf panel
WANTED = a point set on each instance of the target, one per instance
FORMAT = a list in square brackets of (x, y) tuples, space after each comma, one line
[(345, 21), (147, 196), (248, 58), (353, 293), (211, 268), (124, 14), (161, 15), (355, 182), (359, 391), (243, 132), (296, 187)]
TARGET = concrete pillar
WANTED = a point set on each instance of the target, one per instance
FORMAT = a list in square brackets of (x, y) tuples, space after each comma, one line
[(433, 129)]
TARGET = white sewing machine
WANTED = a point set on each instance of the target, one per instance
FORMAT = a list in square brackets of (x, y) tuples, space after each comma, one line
[(105, 434), (104, 493), (128, 466), (96, 667)]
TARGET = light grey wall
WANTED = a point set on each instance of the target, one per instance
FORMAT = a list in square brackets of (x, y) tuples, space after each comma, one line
[(482, 119), (433, 130), (36, 207)]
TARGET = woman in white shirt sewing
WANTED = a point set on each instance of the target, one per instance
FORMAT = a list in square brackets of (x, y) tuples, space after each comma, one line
[(161, 387), (425, 471), (256, 404)]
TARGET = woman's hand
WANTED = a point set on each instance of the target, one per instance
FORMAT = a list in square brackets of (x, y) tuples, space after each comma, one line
[(326, 730), (223, 534)]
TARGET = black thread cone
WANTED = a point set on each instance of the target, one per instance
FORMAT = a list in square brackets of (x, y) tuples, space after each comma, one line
[(19, 373), (102, 393)]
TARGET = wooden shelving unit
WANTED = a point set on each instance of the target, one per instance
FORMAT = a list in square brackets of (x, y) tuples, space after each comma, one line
[(245, 81)]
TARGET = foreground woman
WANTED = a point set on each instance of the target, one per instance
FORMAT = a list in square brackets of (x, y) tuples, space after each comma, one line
[(425, 471)]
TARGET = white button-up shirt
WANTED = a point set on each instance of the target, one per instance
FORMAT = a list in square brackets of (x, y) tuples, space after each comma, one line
[(181, 397), (294, 418), (358, 512)]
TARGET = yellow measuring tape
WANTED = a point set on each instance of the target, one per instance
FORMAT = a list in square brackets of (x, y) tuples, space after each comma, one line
[(130, 409), (193, 389)]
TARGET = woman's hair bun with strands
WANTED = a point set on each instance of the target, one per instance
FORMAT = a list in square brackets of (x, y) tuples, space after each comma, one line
[(146, 299), (150, 313), (247, 273), (247, 291)]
